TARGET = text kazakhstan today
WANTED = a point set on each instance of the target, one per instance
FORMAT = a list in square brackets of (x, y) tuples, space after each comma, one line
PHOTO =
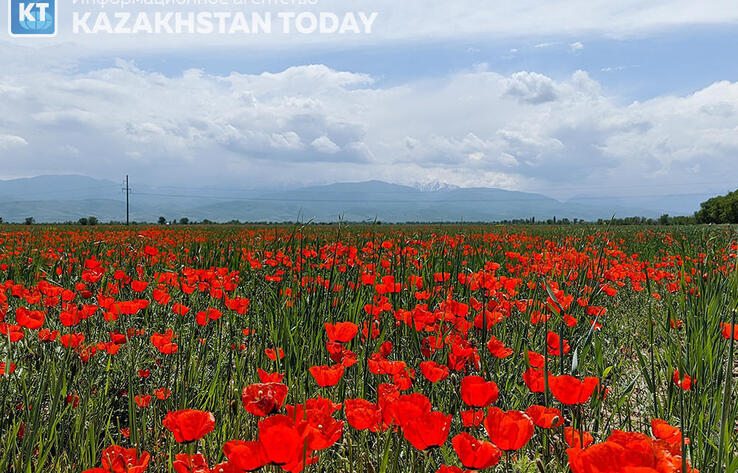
[(223, 22)]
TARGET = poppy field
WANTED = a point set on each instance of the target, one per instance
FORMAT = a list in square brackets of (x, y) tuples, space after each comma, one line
[(373, 349)]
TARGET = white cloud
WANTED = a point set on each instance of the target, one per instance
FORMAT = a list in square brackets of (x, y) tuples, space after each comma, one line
[(312, 124), (576, 46), (531, 87), (324, 144), (617, 68), (11, 141)]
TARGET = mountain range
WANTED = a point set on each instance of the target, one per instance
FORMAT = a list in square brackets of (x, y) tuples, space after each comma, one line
[(60, 198)]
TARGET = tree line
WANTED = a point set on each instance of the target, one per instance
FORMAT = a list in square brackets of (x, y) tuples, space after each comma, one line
[(720, 209)]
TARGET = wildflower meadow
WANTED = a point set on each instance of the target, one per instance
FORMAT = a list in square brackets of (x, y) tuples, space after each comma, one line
[(372, 348)]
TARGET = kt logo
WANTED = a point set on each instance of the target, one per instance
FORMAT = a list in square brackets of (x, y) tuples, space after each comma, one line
[(32, 18)]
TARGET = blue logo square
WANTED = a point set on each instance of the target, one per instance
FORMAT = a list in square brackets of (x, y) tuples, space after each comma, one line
[(32, 18)]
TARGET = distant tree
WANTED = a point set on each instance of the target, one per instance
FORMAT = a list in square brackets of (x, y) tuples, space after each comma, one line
[(664, 219), (82, 221), (1, 220), (683, 220), (30, 221), (184, 221), (162, 221), (92, 220), (206, 222), (720, 209)]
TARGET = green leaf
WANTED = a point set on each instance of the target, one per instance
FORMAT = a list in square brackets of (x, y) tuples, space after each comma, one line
[(575, 363), (733, 467)]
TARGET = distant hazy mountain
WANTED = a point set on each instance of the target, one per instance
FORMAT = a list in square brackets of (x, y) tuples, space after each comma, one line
[(51, 188), (679, 204), (68, 198)]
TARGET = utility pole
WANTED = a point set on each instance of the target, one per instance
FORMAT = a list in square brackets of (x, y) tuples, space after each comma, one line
[(128, 207)]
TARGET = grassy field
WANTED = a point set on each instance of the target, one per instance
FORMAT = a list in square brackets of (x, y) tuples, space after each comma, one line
[(368, 349)]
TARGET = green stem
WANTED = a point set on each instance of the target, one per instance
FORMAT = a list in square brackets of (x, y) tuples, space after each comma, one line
[(727, 395), (681, 415)]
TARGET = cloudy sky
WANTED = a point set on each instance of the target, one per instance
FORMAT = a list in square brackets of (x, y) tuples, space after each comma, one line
[(563, 98)]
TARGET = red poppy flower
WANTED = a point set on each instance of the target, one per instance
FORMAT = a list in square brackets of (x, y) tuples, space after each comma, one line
[(451, 469), (577, 438), (180, 309), (545, 417), (404, 379), (683, 381), (189, 425), (323, 430), (30, 319), (139, 286), (284, 441), (272, 353), (429, 430), (498, 349), (728, 330), (9, 371), (264, 399), (477, 392), (362, 414), (672, 435), (14, 332), (185, 463), (553, 344), (162, 296), (631, 451), (238, 304), (143, 400), (533, 378), (162, 393), (387, 394), (323, 405), (569, 390), (509, 430), (47, 335), (265, 377), (327, 375), (475, 454), (73, 399), (206, 316), (472, 418), (163, 342), (342, 332), (404, 408), (244, 456), (536, 360), (599, 458), (433, 372), (117, 459), (340, 354)]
